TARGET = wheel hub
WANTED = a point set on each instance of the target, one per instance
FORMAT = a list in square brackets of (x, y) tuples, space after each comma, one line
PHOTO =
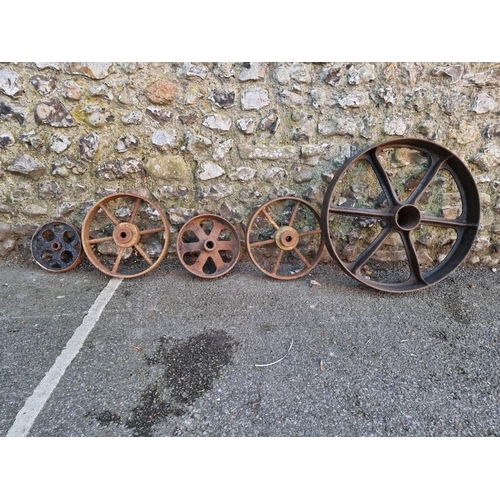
[(407, 217), (287, 238), (126, 235)]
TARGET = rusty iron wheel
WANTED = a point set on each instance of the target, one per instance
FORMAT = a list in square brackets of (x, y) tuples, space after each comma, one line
[(125, 235), (284, 238), (208, 246), (56, 246), (388, 209)]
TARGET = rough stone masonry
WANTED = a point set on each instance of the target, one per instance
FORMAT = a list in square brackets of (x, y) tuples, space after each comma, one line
[(225, 137)]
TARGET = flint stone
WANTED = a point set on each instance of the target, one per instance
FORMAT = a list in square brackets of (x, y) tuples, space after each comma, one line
[(6, 140), (6, 209), (191, 70), (455, 72), (246, 125), (9, 81), (7, 111), (217, 122), (49, 190), (365, 74), (395, 125), (50, 65), (34, 211), (28, 166), (160, 115), (167, 193), (270, 123), (492, 130), (88, 146), (250, 152), (224, 70), (243, 174), (454, 104), (192, 96), (93, 70), (388, 95), (125, 143), (197, 143), (487, 158), (314, 150), (96, 115), (53, 113), (66, 165), (65, 208), (162, 139), (120, 169), (483, 103), (222, 99), (32, 140), (486, 78), (464, 133), (305, 175), (300, 73), (216, 192), (190, 119), (275, 174), (59, 143), (170, 168), (133, 118), (291, 98), (44, 85), (210, 170), (251, 71), (179, 215), (102, 91), (72, 90), (255, 99), (128, 97), (356, 100), (223, 149), (336, 127), (161, 92), (5, 231), (332, 75), (7, 247)]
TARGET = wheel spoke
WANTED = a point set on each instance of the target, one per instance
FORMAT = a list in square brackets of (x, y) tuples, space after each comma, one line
[(440, 221), (360, 212), (270, 219), (412, 256), (294, 214), (121, 253), (278, 262), (217, 259), (262, 243), (135, 210), (310, 233), (225, 245), (301, 257), (382, 176), (191, 247), (216, 230), (427, 179), (365, 255), (151, 231), (100, 240), (106, 210), (145, 256)]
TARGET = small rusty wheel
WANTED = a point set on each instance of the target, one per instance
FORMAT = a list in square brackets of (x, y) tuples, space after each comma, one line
[(208, 246), (284, 238), (125, 235), (57, 247), (388, 209)]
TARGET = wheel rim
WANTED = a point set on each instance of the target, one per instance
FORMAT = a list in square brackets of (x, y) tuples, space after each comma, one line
[(284, 238), (56, 247), (125, 235), (394, 201), (208, 246)]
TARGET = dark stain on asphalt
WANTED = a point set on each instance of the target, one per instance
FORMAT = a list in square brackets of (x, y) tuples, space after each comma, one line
[(189, 369)]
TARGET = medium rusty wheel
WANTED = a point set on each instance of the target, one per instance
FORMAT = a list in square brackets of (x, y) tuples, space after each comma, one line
[(57, 247), (125, 235), (389, 207), (284, 238), (208, 246)]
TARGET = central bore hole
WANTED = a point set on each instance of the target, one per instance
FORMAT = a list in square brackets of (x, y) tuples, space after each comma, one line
[(210, 245), (56, 246), (408, 217), (288, 239), (123, 235)]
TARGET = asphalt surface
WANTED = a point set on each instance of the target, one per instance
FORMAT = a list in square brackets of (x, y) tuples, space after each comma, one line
[(245, 355)]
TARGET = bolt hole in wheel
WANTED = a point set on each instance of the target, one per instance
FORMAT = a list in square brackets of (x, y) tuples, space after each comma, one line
[(284, 239), (56, 246), (208, 246), (402, 215), (125, 235)]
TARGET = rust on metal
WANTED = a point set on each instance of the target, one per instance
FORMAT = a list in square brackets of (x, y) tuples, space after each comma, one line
[(125, 235), (208, 246), (425, 193), (56, 246), (284, 238)]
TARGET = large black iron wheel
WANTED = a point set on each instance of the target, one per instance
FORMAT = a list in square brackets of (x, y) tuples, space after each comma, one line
[(402, 215)]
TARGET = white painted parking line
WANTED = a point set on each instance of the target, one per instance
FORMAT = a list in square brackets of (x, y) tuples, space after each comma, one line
[(34, 404)]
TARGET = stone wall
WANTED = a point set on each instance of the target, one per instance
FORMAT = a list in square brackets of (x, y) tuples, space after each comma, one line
[(226, 137)]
